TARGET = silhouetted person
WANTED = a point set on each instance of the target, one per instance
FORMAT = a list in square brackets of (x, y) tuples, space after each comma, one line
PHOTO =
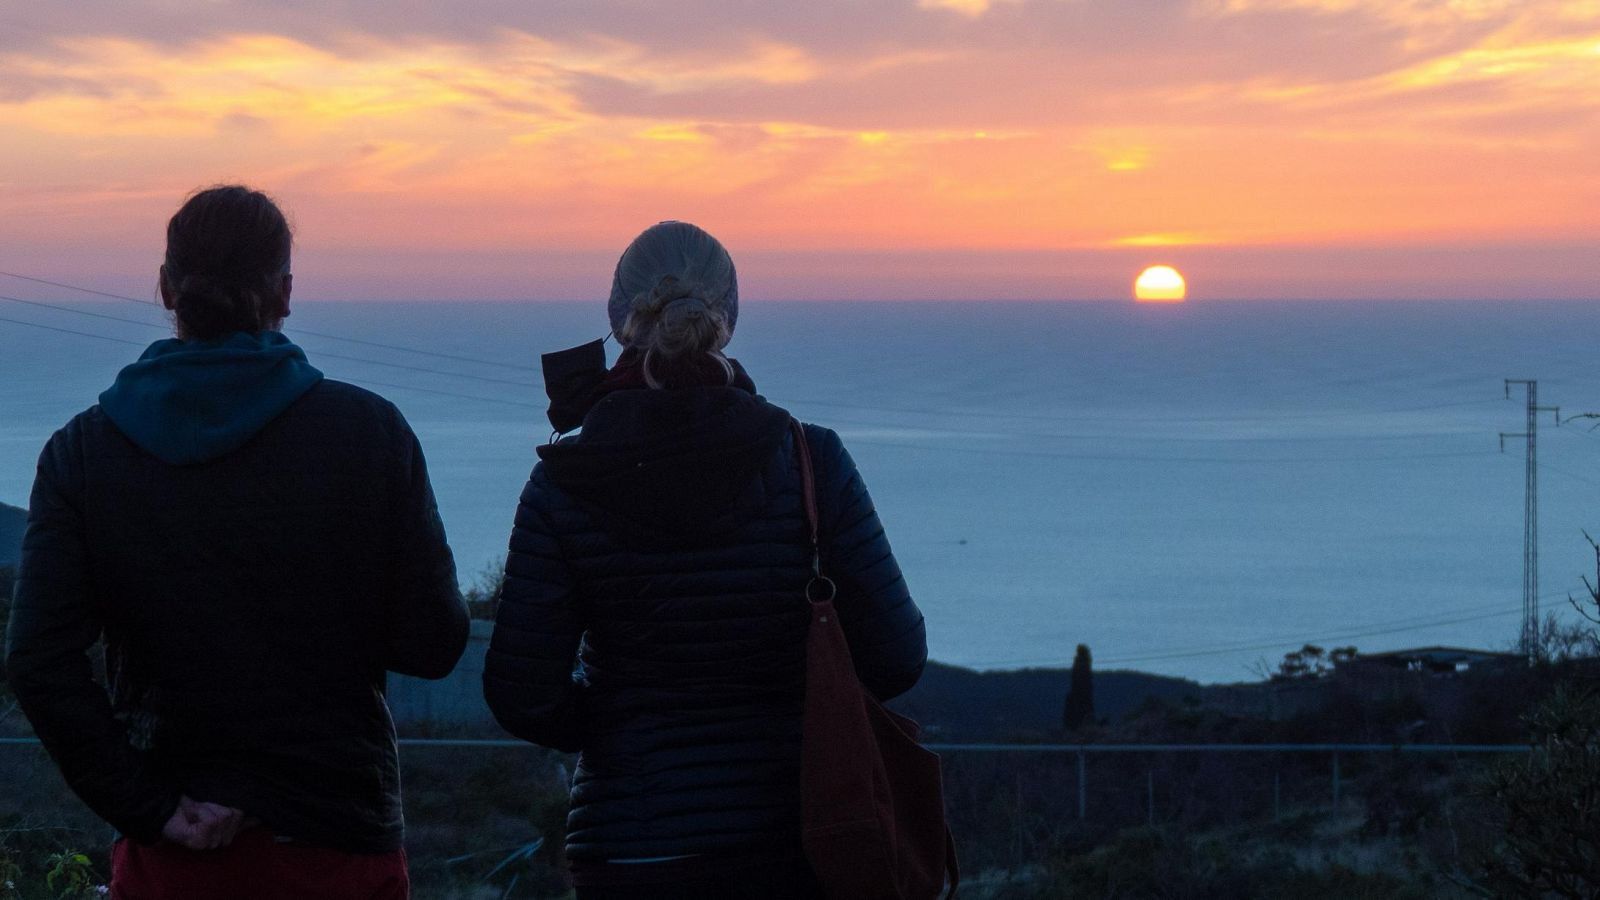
[(256, 545), (663, 552)]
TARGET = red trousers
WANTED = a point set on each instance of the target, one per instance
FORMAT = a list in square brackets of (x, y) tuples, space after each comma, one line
[(254, 867)]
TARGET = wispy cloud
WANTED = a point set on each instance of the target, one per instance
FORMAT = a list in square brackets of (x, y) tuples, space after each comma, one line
[(895, 124), (973, 8)]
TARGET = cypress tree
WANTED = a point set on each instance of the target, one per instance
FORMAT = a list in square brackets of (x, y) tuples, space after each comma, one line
[(1079, 709)]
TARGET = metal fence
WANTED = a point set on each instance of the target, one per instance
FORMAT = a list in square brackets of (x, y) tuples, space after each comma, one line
[(1080, 754)]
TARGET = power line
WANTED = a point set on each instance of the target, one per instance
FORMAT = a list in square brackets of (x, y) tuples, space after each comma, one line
[(402, 387), (81, 312), (320, 353), (98, 337), (1089, 457), (1174, 654), (491, 380), (1164, 438), (397, 347), (1394, 627), (1123, 457), (980, 414), (305, 331), (74, 287), (825, 403), (870, 409), (421, 390), (323, 354), (868, 442), (1560, 471), (1345, 636)]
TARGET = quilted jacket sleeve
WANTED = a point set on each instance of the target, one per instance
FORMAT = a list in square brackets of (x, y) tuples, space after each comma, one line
[(528, 676), (425, 627), (55, 620), (880, 620)]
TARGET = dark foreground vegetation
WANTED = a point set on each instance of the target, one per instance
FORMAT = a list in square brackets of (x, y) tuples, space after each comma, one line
[(487, 822)]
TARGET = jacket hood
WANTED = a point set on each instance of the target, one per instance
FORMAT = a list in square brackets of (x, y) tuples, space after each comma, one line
[(188, 402), (678, 466)]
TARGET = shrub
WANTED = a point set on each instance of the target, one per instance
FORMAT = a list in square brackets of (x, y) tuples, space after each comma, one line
[(34, 862), (1548, 805)]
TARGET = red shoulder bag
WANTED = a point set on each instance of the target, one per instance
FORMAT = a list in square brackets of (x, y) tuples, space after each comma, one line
[(871, 797)]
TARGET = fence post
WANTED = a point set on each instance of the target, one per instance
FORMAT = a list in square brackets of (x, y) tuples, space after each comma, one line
[(1083, 784), (1336, 784), (1277, 795)]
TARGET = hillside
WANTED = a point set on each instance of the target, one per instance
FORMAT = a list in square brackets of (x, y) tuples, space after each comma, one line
[(956, 704), (12, 522)]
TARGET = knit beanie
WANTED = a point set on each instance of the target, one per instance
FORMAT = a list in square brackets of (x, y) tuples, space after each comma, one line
[(672, 261)]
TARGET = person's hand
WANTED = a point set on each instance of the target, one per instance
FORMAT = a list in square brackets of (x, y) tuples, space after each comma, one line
[(199, 825)]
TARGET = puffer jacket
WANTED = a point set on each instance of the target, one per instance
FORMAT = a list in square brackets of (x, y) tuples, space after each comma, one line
[(653, 618), (250, 604)]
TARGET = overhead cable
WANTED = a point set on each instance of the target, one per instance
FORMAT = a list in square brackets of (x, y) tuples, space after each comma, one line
[(320, 353), (321, 334)]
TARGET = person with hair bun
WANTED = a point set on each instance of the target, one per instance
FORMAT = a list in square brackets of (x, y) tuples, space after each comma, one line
[(653, 617), (256, 545)]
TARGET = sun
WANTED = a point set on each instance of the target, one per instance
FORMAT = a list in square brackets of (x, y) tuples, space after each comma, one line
[(1160, 284)]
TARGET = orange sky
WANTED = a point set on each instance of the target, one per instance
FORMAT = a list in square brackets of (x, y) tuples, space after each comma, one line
[(844, 148)]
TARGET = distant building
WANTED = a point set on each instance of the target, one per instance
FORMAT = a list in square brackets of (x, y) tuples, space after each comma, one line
[(1425, 675), (1437, 660)]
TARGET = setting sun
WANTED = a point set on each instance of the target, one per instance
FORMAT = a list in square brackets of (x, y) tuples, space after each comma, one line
[(1160, 284)]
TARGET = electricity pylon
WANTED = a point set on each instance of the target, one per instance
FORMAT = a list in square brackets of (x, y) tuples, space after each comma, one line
[(1529, 643)]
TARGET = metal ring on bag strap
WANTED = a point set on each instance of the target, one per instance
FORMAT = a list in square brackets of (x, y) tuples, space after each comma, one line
[(833, 590)]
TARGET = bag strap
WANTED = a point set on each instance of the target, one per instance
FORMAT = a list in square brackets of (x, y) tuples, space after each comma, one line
[(820, 589), (808, 487)]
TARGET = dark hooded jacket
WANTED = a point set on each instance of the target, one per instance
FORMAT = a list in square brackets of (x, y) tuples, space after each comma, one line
[(256, 546), (653, 618)]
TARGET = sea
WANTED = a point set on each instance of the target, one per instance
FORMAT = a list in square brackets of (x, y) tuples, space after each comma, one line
[(1188, 489)]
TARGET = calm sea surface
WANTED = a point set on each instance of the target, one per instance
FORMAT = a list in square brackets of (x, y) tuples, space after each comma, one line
[(1186, 489)]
